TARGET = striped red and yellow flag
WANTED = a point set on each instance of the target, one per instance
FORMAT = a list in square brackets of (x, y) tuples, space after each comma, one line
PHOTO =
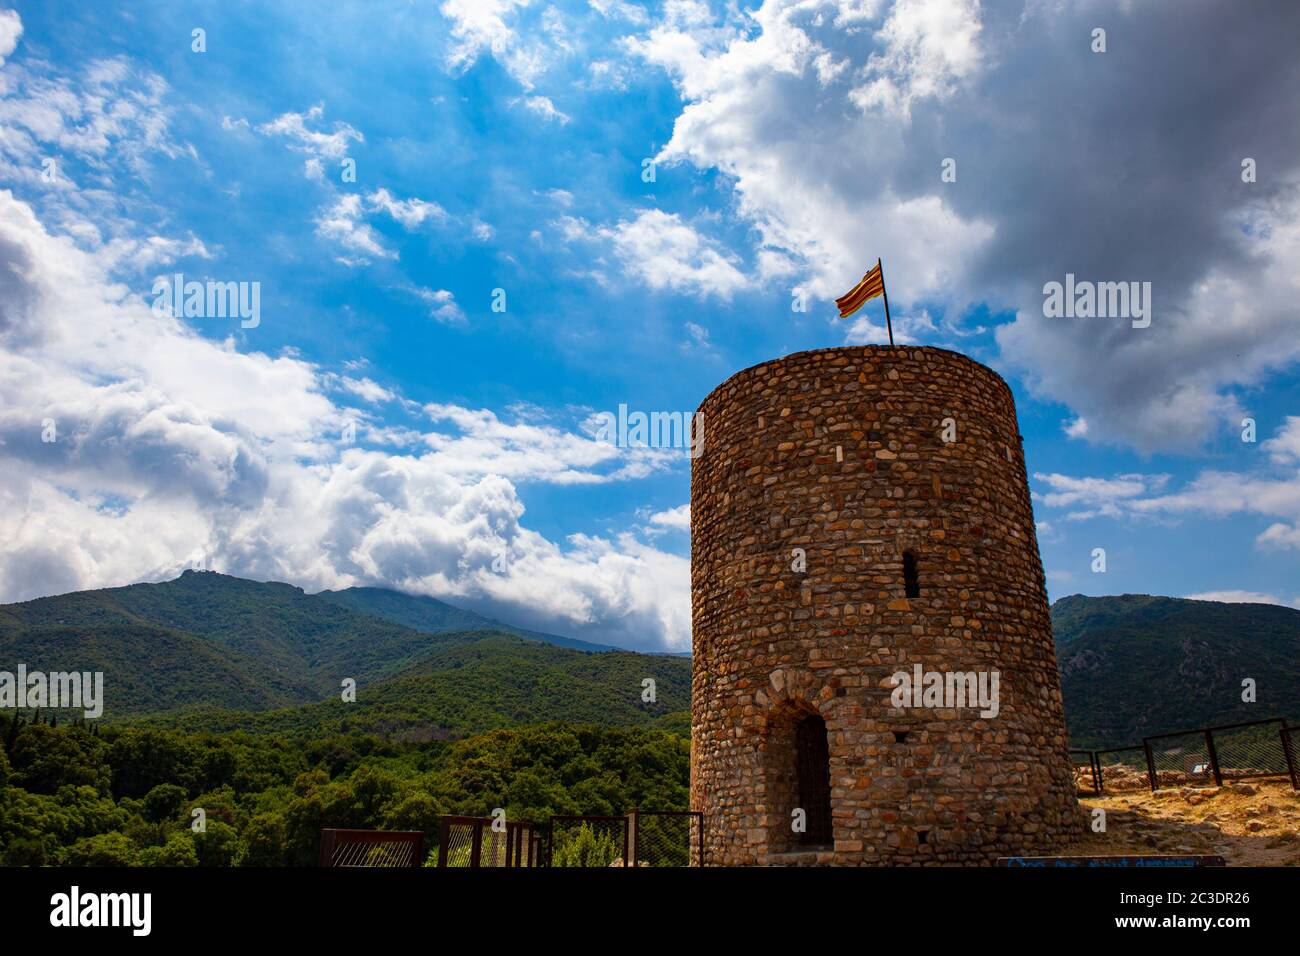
[(872, 285)]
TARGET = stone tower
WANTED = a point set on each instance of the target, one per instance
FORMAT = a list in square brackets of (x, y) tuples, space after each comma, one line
[(855, 513)]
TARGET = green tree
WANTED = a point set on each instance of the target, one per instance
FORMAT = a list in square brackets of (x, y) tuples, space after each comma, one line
[(217, 845), (586, 847), (179, 850), (164, 802), (263, 841), (103, 849)]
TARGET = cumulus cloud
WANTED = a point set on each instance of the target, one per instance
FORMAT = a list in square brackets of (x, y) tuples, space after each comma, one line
[(480, 26), (678, 518), (170, 447), (831, 119), (664, 251)]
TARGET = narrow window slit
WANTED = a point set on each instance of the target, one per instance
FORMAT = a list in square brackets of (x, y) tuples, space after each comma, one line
[(911, 581)]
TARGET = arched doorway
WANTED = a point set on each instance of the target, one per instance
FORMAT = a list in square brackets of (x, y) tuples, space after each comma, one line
[(797, 777), (812, 760)]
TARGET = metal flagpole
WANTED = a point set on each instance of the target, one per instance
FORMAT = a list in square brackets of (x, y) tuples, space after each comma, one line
[(885, 292)]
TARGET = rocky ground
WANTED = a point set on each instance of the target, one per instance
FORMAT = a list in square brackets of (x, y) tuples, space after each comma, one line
[(1251, 823)]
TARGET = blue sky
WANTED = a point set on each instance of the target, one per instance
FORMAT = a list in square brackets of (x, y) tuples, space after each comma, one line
[(501, 146)]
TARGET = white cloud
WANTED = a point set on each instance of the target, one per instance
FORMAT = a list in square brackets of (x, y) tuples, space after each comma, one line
[(524, 451), (442, 305), (1236, 597), (1284, 447), (678, 518), (342, 223), (1271, 491), (543, 107), (666, 252), (1106, 497), (109, 115), (929, 46), (11, 28), (480, 26), (411, 213), (296, 128), (820, 113), (869, 327), (621, 10), (172, 446), (368, 389)]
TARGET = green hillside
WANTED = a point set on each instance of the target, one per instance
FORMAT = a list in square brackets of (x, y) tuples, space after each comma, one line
[(1134, 665), (217, 652), (149, 669), (499, 680), (301, 643)]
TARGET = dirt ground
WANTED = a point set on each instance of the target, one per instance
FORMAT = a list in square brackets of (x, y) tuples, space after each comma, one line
[(1251, 823)]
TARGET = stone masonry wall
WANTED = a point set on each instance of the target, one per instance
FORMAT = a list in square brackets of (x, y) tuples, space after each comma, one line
[(840, 452)]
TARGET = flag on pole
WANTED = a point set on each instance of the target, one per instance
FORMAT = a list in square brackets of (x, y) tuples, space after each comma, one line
[(872, 285)]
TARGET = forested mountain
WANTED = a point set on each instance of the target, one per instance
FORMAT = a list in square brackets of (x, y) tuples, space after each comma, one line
[(1134, 665), (222, 650), (497, 680)]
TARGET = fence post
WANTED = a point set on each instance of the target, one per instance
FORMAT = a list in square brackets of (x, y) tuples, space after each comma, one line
[(1096, 773), (326, 848), (476, 844), (629, 838), (1288, 741), (1151, 763), (1214, 758)]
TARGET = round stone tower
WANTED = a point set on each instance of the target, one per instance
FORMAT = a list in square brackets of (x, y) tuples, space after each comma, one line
[(857, 515)]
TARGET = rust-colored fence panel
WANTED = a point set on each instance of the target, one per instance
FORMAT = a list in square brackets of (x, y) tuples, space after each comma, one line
[(484, 842), (371, 848)]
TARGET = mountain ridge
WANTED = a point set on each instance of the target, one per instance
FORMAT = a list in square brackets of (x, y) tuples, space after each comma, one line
[(1138, 664)]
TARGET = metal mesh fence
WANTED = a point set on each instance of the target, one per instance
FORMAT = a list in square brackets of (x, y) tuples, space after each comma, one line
[(1291, 742), (666, 838), (371, 848), (457, 844), (1122, 769), (1250, 750), (589, 841), (1181, 760), (485, 842), (492, 849)]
